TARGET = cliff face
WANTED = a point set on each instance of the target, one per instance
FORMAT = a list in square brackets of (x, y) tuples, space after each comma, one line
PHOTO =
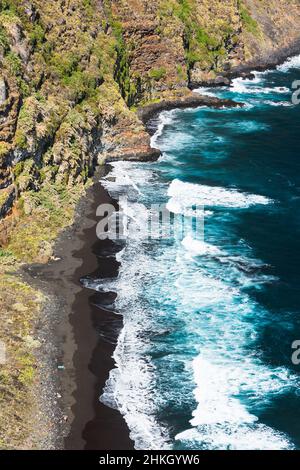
[(60, 106), (72, 72), (72, 75), (172, 44)]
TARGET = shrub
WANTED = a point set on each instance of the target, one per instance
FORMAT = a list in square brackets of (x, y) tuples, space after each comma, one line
[(20, 139), (88, 6), (181, 73), (3, 39), (249, 23), (64, 64), (81, 84), (37, 35), (157, 74), (4, 148), (18, 168), (13, 63), (27, 372)]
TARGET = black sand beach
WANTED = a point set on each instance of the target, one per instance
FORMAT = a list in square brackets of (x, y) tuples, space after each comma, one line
[(84, 334)]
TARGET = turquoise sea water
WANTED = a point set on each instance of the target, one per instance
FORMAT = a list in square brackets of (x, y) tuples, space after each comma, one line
[(204, 359)]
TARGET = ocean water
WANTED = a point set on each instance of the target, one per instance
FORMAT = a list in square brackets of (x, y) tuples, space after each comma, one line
[(204, 358)]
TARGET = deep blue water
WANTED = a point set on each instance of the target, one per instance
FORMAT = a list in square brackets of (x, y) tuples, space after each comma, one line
[(204, 359)]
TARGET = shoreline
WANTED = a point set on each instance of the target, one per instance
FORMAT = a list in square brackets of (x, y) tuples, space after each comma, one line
[(150, 111), (82, 422), (80, 359), (245, 70), (193, 100)]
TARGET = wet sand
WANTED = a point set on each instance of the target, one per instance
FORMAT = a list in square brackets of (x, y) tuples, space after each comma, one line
[(85, 330)]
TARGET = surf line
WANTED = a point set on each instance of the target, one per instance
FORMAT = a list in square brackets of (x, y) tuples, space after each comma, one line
[(121, 461)]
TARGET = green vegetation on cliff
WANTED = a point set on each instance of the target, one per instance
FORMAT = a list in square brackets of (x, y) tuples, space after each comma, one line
[(72, 74), (249, 23)]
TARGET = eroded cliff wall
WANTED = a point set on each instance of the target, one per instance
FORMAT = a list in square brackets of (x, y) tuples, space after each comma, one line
[(72, 75), (72, 72)]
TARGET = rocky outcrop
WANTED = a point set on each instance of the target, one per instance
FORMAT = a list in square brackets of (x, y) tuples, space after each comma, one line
[(7, 198), (73, 75), (172, 44), (146, 113)]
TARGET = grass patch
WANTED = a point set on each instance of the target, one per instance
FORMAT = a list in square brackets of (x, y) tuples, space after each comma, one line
[(19, 303), (249, 23), (52, 210), (4, 149), (157, 74), (13, 63), (4, 44), (64, 64)]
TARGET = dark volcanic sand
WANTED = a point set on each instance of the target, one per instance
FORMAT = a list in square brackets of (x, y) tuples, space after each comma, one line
[(85, 333)]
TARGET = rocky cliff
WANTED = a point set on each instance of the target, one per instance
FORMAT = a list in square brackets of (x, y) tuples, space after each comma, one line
[(73, 71), (77, 78)]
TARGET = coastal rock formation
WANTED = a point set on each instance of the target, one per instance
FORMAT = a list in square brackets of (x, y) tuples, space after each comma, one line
[(79, 79), (73, 73)]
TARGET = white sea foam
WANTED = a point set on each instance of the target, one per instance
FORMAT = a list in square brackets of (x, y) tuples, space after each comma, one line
[(177, 206), (131, 385), (125, 175), (286, 104), (258, 77), (243, 127), (183, 196), (200, 248), (245, 86), (221, 420), (219, 382), (230, 437), (217, 317), (164, 119), (206, 91), (291, 63), (225, 370)]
